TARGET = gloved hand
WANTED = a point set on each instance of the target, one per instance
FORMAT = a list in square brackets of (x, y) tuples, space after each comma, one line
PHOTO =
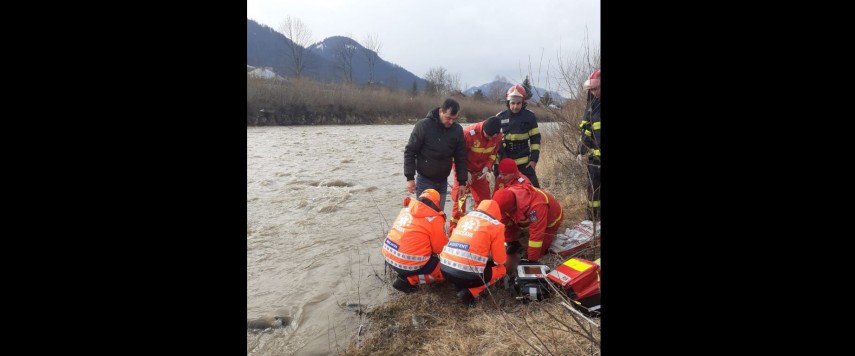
[(483, 173)]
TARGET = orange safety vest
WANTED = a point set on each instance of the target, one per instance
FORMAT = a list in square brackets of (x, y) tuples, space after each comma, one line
[(417, 232), (478, 236)]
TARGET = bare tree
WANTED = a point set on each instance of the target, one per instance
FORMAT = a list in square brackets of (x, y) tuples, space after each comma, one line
[(454, 82), (441, 82), (571, 74), (344, 59), (497, 89), (371, 49), (436, 79), (300, 37)]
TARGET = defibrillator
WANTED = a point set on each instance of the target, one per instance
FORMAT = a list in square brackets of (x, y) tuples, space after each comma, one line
[(531, 281)]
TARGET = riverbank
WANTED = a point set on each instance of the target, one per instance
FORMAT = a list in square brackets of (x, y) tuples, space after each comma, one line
[(432, 321)]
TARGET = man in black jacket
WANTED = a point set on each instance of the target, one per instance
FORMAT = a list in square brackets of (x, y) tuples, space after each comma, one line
[(435, 143)]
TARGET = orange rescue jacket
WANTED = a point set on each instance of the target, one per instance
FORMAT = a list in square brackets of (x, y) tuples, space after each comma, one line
[(480, 152), (416, 234), (519, 179), (478, 236), (536, 209)]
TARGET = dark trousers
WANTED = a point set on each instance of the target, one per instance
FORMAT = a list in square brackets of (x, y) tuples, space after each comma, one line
[(593, 210), (529, 172), (424, 183), (463, 280), (426, 269)]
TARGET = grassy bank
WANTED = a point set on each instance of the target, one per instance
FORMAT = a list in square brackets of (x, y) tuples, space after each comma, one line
[(432, 321), (304, 102)]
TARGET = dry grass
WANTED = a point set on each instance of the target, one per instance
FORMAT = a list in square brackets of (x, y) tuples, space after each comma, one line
[(303, 102), (560, 175), (432, 321)]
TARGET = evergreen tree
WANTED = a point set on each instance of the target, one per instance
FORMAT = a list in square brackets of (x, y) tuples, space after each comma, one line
[(479, 95), (527, 85), (415, 90), (546, 99)]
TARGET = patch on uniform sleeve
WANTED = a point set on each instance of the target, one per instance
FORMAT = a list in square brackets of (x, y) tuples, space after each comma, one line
[(520, 180), (472, 132), (532, 215)]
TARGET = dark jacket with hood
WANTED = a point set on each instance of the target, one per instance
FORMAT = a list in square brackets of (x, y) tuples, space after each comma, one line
[(431, 148)]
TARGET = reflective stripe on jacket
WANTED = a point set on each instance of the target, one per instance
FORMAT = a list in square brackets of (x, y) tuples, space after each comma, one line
[(416, 233), (590, 130), (480, 152), (536, 209), (521, 136), (477, 237)]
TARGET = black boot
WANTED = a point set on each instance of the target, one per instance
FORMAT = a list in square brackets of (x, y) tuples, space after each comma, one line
[(466, 297), (403, 285)]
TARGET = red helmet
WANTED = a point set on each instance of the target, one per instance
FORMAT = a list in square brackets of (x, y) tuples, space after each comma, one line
[(593, 80), (516, 90)]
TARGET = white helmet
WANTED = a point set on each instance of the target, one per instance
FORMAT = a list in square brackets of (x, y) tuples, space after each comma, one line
[(516, 90)]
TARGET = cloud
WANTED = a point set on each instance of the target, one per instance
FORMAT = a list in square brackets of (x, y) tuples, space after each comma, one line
[(477, 39)]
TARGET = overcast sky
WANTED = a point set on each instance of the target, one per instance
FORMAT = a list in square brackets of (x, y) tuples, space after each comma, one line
[(478, 39)]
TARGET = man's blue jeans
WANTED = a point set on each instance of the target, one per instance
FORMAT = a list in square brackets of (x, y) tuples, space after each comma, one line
[(423, 183)]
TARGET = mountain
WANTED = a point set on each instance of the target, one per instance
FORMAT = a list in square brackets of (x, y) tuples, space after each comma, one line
[(500, 88), (386, 73), (266, 47)]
